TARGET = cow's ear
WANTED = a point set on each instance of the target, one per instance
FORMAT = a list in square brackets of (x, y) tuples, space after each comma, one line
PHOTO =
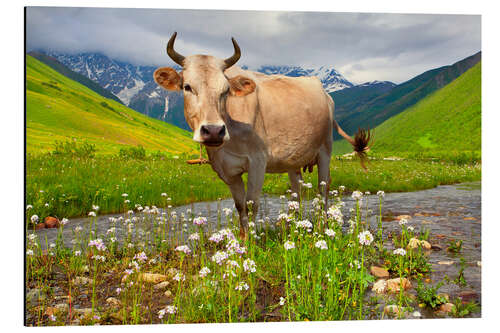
[(168, 78), (241, 86)]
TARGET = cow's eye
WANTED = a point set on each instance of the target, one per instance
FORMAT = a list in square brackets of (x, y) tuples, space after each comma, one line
[(187, 87)]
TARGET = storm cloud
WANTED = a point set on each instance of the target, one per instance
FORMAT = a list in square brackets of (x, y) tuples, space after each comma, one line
[(362, 46)]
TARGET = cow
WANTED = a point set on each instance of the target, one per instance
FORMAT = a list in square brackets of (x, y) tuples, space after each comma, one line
[(254, 123)]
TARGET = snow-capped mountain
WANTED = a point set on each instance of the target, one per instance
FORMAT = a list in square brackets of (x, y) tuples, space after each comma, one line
[(134, 84)]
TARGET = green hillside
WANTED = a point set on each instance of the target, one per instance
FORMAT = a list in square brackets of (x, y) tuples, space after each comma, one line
[(447, 120), (58, 108)]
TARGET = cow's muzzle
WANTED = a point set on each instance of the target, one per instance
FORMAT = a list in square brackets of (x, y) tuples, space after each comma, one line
[(212, 135)]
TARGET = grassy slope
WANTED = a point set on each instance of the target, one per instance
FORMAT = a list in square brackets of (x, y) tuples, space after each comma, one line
[(449, 119), (58, 108)]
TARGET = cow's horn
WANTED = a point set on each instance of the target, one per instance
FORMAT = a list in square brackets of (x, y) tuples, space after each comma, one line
[(178, 58), (235, 57)]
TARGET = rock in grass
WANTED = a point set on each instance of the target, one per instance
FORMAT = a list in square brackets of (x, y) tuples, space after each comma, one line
[(81, 281), (415, 243), (380, 286), (446, 307), (161, 285), (379, 272), (393, 285), (447, 263), (152, 277), (168, 293), (51, 222), (113, 301)]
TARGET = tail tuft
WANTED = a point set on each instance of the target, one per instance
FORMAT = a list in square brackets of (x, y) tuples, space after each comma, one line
[(362, 143)]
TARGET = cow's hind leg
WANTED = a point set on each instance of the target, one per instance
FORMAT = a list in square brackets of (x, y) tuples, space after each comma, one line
[(237, 188), (324, 157)]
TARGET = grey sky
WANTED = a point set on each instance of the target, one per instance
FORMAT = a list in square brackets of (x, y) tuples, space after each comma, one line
[(363, 47)]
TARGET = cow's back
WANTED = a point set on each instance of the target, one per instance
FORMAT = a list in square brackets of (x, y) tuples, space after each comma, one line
[(292, 117)]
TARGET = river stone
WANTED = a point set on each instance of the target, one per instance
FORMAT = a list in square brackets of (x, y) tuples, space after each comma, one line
[(161, 285), (393, 285), (380, 286), (468, 295), (152, 277), (379, 272), (415, 243), (446, 308), (447, 263), (51, 222)]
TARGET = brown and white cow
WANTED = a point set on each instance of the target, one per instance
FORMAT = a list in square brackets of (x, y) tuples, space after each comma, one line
[(255, 123)]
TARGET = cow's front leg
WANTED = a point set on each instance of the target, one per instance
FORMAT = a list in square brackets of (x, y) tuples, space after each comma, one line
[(295, 176), (237, 188), (256, 176)]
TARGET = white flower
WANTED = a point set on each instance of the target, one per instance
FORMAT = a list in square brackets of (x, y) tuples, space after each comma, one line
[(295, 195), (78, 253), (357, 195), (402, 222), (171, 309), (410, 228), (293, 205), (416, 314), (381, 194), (124, 195), (200, 220), (400, 251), (164, 194), (179, 276), (34, 218), (323, 183), (282, 301), (204, 272), (306, 224), (28, 207), (29, 252), (342, 188), (227, 211), (32, 237), (330, 233), (183, 248), (92, 214), (94, 207), (335, 213), (52, 245), (249, 265), (365, 238), (52, 317), (289, 245), (194, 237), (219, 257), (242, 286), (321, 244), (46, 204), (308, 185)]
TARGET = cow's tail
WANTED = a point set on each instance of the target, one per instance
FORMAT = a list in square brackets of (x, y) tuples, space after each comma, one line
[(361, 142)]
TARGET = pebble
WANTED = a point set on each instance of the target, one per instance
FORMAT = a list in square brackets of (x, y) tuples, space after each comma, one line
[(379, 272), (161, 285), (380, 286), (393, 285), (446, 307), (113, 301), (445, 263)]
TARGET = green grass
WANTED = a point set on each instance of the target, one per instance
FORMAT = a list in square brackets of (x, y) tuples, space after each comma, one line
[(58, 108)]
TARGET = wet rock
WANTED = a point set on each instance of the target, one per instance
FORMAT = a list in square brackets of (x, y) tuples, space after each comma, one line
[(51, 222), (447, 263), (379, 272), (468, 295), (436, 247), (380, 286), (81, 281), (446, 308), (401, 217), (415, 243), (393, 285), (40, 226), (161, 285), (113, 301)]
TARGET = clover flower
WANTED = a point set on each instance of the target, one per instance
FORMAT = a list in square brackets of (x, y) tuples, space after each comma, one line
[(381, 194), (306, 224), (321, 244), (98, 244), (293, 205), (29, 252), (357, 195), (164, 194), (400, 252), (194, 237), (219, 257), (204, 272), (92, 214), (227, 211), (330, 233), (200, 220), (402, 222), (241, 286), (365, 238), (183, 248), (249, 265), (289, 245), (34, 218)]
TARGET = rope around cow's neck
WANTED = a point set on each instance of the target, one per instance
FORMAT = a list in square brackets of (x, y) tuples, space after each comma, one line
[(200, 160)]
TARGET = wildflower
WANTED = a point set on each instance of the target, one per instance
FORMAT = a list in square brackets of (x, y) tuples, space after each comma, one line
[(251, 225), (46, 204), (365, 238), (289, 245), (342, 188), (249, 265), (204, 272), (111, 230), (294, 195), (355, 263), (308, 185), (32, 237), (161, 313), (227, 211), (52, 245), (216, 237), (52, 317), (124, 195), (400, 251), (367, 193), (381, 194), (183, 248), (164, 194), (219, 257), (357, 195), (92, 214), (306, 224), (96, 317), (34, 218), (141, 257), (78, 253), (323, 183), (28, 207), (250, 202), (98, 243), (293, 205), (321, 244), (232, 263), (179, 276), (171, 309), (282, 197), (94, 207), (402, 222), (29, 252), (99, 257), (330, 233), (118, 290), (410, 228), (242, 286), (78, 229), (416, 314), (200, 220), (282, 301), (335, 213), (194, 237), (126, 201)]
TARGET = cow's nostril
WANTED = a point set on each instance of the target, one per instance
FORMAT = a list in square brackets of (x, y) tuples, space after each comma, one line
[(222, 131), (204, 130)]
